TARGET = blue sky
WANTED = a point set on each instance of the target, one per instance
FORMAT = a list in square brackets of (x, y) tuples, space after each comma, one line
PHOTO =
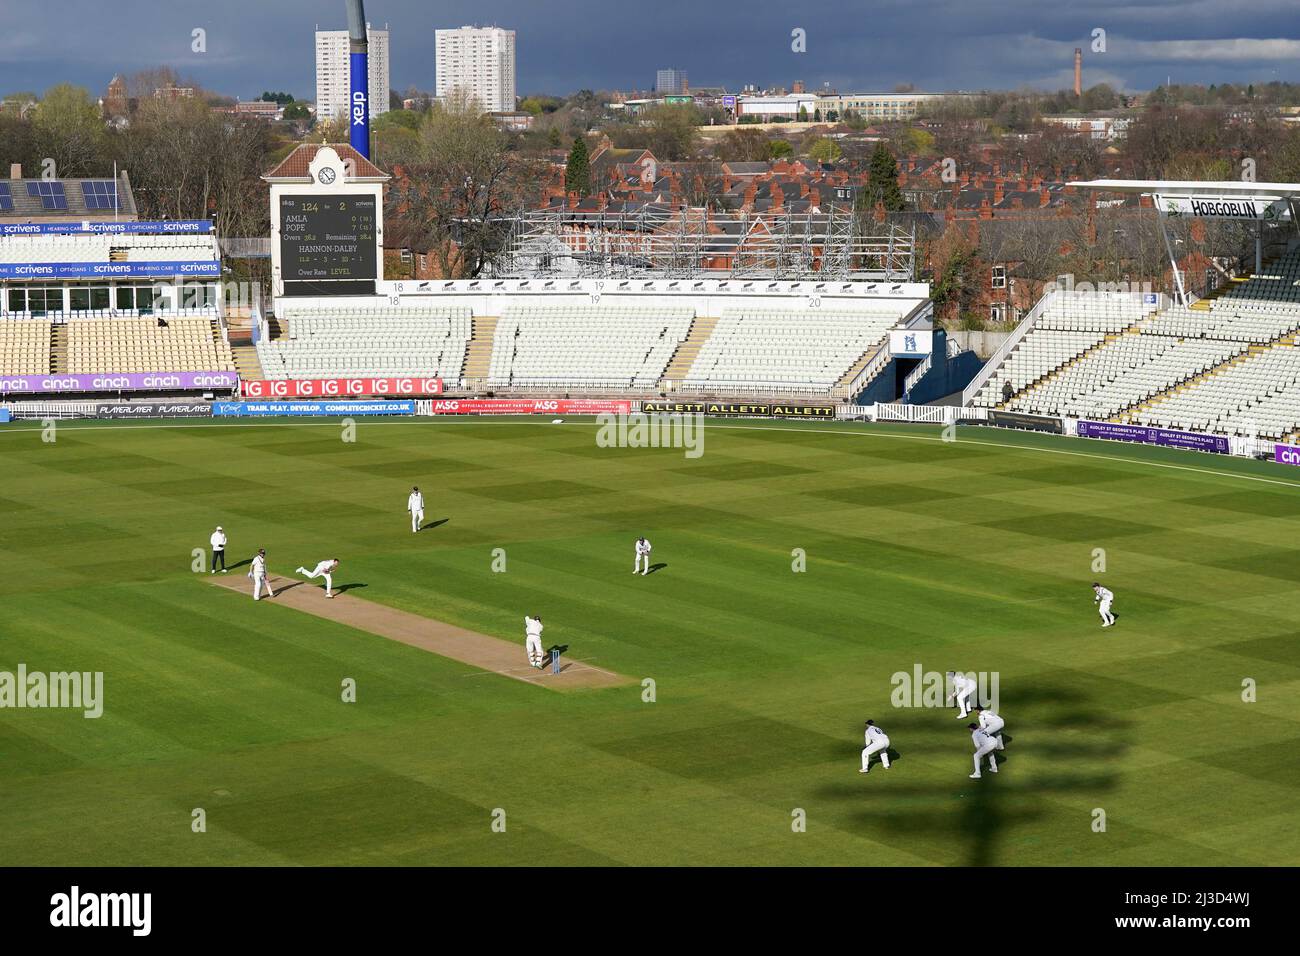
[(565, 45)]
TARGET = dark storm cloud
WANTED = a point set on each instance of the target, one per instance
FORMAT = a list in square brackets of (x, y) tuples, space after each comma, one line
[(565, 45)]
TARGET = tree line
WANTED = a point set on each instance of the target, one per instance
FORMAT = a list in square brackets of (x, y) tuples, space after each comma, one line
[(185, 161)]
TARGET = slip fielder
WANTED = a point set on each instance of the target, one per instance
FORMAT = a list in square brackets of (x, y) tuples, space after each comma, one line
[(962, 688), (992, 724), (984, 747), (877, 743)]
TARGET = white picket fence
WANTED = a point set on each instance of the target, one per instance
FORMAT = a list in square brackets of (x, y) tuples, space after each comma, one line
[(51, 409), (901, 412), (919, 414)]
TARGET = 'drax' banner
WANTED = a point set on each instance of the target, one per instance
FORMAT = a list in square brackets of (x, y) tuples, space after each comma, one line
[(742, 409)]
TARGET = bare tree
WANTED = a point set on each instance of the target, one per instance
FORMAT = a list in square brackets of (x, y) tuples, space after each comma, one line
[(187, 162), (463, 185)]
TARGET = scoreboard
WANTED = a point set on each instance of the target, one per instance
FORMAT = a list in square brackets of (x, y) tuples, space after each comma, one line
[(325, 238)]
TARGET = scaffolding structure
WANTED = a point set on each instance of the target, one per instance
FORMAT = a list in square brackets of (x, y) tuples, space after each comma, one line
[(656, 241)]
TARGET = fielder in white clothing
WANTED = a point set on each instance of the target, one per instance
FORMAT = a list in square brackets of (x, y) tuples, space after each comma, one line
[(324, 569), (415, 505), (984, 747), (642, 555), (533, 641), (877, 743), (962, 688), (1104, 597), (257, 571), (992, 725)]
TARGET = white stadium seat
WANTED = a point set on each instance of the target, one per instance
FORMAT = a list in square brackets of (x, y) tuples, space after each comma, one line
[(369, 342), (185, 344), (585, 347), (1228, 366), (779, 351), (24, 346)]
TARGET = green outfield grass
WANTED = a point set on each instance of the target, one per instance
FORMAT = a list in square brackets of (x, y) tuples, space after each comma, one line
[(973, 555)]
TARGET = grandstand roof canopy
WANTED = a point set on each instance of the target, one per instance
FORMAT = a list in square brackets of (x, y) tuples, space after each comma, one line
[(1175, 187)]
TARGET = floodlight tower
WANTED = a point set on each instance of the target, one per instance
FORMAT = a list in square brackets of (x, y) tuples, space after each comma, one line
[(359, 73)]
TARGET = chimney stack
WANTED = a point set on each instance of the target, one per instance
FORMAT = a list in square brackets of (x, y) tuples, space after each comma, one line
[(1078, 72)]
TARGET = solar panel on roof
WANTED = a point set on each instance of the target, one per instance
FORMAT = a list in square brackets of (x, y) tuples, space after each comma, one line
[(51, 193), (6, 198), (99, 194)]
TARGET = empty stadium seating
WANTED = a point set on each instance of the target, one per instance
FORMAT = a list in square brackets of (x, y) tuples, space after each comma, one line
[(24, 347), (1227, 365), (780, 351), (1070, 326), (99, 247), (585, 347), (1257, 394), (141, 345), (375, 341)]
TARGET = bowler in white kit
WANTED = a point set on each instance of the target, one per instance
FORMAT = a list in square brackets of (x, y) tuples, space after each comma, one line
[(323, 569), (533, 641), (877, 743), (415, 505), (643, 550), (1104, 597)]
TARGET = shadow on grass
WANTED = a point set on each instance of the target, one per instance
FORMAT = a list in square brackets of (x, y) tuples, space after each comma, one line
[(429, 525), (984, 814)]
